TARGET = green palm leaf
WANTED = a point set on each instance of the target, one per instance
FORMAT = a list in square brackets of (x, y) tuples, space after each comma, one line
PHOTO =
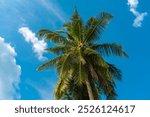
[(52, 36), (109, 49), (49, 63), (96, 25), (59, 49)]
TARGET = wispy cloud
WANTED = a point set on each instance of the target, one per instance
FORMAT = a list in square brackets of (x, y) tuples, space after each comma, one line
[(30, 12), (38, 46), (9, 72), (139, 16), (52, 7), (44, 88)]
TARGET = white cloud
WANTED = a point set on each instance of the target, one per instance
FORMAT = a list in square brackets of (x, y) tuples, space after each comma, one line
[(9, 72), (133, 3), (38, 46), (139, 16), (138, 20)]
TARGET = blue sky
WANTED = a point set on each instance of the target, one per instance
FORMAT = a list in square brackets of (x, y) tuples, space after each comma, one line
[(21, 51)]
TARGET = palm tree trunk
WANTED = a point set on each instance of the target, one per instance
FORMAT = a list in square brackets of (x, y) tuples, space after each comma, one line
[(89, 89)]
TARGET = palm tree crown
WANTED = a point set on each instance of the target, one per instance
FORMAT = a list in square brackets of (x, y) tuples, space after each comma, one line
[(83, 73)]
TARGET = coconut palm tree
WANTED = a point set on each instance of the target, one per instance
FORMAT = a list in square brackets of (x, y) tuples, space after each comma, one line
[(83, 72)]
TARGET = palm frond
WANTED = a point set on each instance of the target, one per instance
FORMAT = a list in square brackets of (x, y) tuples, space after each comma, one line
[(109, 49), (116, 73), (76, 92), (59, 49), (75, 16), (95, 26), (53, 36), (95, 57), (75, 27), (69, 36), (60, 89), (64, 76), (110, 92), (42, 32), (108, 88), (49, 63)]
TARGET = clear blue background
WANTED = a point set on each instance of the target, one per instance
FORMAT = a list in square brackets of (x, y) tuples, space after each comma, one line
[(135, 41)]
